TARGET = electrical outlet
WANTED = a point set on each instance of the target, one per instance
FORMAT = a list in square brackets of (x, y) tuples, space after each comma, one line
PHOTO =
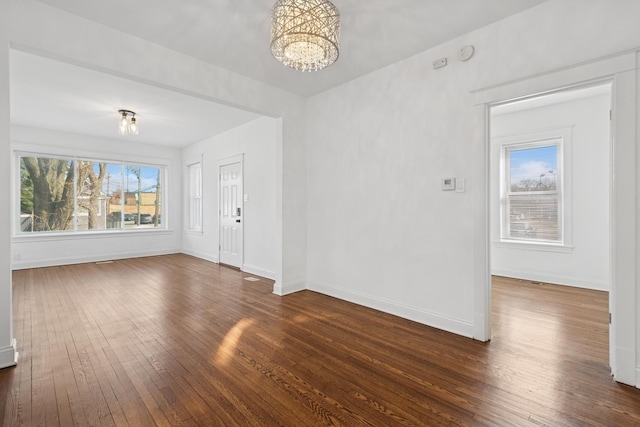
[(439, 63)]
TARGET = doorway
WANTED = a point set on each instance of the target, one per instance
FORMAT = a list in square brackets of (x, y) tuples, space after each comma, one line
[(550, 179), (550, 189), (231, 212), (620, 69)]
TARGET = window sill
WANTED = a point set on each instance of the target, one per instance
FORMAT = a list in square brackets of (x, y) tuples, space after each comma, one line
[(533, 246), (49, 237), (194, 232)]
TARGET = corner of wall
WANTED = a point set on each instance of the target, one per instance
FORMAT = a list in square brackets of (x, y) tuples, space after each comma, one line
[(200, 255), (8, 356), (289, 288), (626, 371), (251, 269)]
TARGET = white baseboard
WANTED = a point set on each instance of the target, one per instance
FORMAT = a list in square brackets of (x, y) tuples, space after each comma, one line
[(8, 355), (280, 289), (553, 278), (201, 255), (258, 271), (479, 327), (52, 262), (638, 377), (626, 370), (415, 314)]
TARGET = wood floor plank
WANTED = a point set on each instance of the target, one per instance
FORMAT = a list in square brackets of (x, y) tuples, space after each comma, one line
[(174, 340)]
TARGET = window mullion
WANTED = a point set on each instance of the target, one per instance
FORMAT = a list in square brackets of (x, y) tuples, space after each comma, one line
[(75, 194)]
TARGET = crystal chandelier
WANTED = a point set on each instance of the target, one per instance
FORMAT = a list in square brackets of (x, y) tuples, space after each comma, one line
[(305, 33), (127, 125)]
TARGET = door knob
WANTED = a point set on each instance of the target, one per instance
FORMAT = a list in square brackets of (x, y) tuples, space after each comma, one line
[(237, 220)]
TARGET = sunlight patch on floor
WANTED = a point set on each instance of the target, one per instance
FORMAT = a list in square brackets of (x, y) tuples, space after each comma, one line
[(230, 342)]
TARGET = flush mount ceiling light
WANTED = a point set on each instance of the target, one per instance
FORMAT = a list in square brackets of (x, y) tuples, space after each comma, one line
[(127, 125), (305, 33)]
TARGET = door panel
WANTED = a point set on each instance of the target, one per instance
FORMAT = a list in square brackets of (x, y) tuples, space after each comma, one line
[(231, 214)]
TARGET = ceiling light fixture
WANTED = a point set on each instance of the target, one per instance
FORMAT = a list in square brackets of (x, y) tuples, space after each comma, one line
[(127, 125), (305, 33)]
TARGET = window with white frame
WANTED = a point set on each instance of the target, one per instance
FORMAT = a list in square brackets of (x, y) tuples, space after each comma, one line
[(63, 194), (195, 196), (532, 193)]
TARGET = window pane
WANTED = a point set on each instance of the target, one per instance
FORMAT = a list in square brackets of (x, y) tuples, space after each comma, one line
[(533, 204), (143, 196), (534, 216), (46, 194), (195, 196), (112, 189), (533, 169), (58, 194), (91, 199)]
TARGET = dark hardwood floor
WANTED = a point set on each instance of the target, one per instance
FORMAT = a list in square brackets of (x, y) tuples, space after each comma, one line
[(173, 340)]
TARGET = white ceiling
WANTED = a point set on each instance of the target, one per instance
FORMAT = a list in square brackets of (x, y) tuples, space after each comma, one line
[(53, 95), (233, 34)]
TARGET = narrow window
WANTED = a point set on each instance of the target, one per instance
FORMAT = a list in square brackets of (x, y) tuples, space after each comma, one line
[(195, 196)]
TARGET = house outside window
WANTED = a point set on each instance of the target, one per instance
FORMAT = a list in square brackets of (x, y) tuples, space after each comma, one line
[(534, 193), (59, 194)]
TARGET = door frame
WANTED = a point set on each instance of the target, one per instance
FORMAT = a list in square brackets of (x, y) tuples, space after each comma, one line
[(238, 158), (621, 69)]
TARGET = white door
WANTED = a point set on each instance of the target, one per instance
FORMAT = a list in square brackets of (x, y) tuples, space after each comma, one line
[(231, 214)]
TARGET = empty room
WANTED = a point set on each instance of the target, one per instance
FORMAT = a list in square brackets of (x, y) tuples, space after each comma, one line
[(313, 212)]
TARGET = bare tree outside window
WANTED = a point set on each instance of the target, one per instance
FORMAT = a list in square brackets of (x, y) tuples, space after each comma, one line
[(532, 202), (58, 194)]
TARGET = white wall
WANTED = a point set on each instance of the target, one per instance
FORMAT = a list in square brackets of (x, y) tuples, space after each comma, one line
[(35, 28), (7, 350), (586, 262), (365, 161), (380, 231), (47, 250), (257, 141)]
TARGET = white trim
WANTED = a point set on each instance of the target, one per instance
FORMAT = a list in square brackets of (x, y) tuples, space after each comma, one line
[(258, 271), (54, 236), (289, 288), (201, 255), (40, 149), (74, 158), (52, 262), (237, 158), (562, 138), (9, 355), (558, 78), (533, 246), (553, 279), (194, 232), (187, 164), (621, 68), (626, 366), (416, 314)]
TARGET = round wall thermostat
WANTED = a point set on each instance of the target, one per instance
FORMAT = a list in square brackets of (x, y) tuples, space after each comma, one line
[(465, 52)]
